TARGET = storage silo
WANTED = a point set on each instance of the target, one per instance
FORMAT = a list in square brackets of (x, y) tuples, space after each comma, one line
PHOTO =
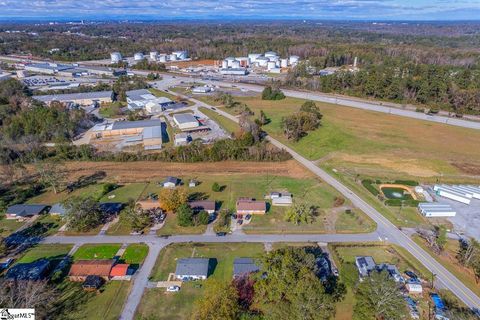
[(173, 57), (116, 57), (153, 55), (181, 55), (162, 58), (253, 57), (294, 60), (230, 61), (271, 65), (138, 56), (284, 63), (224, 64)]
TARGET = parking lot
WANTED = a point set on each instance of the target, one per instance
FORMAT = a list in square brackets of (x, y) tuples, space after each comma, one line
[(467, 219)]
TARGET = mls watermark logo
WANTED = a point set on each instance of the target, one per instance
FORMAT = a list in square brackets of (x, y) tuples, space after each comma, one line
[(17, 314)]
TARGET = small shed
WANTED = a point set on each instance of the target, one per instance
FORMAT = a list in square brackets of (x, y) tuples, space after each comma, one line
[(193, 183), (92, 283), (58, 210), (171, 182), (414, 288), (244, 266)]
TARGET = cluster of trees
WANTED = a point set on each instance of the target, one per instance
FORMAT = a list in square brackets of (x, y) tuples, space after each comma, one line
[(270, 93), (147, 65), (286, 287), (186, 217), (297, 125), (469, 255), (437, 87), (436, 239), (126, 83), (83, 213), (300, 212)]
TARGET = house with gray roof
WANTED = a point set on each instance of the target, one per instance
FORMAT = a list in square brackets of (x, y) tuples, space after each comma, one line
[(24, 211), (57, 210), (365, 265), (244, 266), (171, 182), (193, 269)]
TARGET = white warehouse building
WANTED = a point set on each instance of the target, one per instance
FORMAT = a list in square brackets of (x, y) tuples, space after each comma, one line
[(186, 121), (432, 210), (453, 193), (115, 57)]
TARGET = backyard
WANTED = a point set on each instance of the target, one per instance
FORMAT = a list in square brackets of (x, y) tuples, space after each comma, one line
[(161, 305)]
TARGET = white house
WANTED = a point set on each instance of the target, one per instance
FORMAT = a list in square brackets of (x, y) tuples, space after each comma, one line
[(171, 182)]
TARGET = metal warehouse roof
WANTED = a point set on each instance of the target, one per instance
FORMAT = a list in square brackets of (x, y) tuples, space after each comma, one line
[(74, 96), (152, 132), (117, 125), (193, 267), (138, 94), (184, 118)]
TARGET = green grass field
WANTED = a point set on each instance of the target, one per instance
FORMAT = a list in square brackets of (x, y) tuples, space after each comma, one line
[(8, 226), (158, 304), (171, 227), (48, 251), (50, 198), (227, 124), (125, 192), (135, 253), (96, 251)]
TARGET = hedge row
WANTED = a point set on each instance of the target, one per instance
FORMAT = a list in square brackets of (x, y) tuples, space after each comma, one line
[(368, 184), (399, 202)]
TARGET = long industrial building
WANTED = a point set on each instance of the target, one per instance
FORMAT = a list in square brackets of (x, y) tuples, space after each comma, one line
[(460, 193), (431, 210), (82, 99), (148, 132)]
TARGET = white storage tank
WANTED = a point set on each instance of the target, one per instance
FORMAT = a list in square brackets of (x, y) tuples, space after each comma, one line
[(224, 64), (138, 56), (284, 63), (236, 64), (162, 58), (271, 65), (253, 57), (230, 61), (153, 55), (294, 59), (181, 55), (270, 54), (173, 57), (262, 61), (115, 57)]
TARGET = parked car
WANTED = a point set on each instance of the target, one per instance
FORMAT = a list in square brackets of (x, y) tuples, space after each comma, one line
[(173, 289), (240, 222), (248, 217), (234, 216), (221, 234), (411, 274)]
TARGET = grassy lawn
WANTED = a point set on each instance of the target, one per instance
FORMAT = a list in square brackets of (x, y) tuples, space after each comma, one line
[(8, 226), (160, 93), (125, 192), (121, 228), (449, 261), (158, 304), (96, 251), (50, 198), (344, 257), (49, 251), (227, 124), (110, 110), (135, 253), (107, 305), (170, 227), (311, 190)]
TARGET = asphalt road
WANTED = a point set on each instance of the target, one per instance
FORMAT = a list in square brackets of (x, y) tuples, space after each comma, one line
[(168, 79), (386, 230)]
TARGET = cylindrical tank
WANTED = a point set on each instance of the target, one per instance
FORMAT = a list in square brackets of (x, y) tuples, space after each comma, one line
[(236, 64), (253, 57), (181, 55), (230, 61), (284, 63), (294, 59), (173, 57), (115, 57), (224, 64), (163, 58), (271, 65), (269, 54), (153, 55), (138, 56)]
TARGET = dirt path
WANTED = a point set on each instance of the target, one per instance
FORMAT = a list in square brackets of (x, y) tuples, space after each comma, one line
[(144, 171)]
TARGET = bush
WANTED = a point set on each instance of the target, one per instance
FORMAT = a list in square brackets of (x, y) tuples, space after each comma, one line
[(109, 187), (203, 217), (216, 187), (272, 94), (368, 184), (398, 203), (407, 182)]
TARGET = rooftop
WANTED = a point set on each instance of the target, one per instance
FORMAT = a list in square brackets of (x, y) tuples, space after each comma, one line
[(118, 125), (74, 96), (193, 267), (100, 267), (182, 118), (207, 205), (25, 210), (243, 266), (249, 204), (140, 94)]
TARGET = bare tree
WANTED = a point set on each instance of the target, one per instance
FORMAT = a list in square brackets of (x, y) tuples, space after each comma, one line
[(51, 174)]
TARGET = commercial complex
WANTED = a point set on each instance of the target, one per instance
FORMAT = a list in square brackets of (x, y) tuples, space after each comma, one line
[(144, 99), (82, 99)]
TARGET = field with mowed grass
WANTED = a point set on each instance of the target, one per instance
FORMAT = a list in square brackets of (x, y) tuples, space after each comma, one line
[(47, 251), (96, 251), (158, 304), (311, 190), (135, 253), (372, 141)]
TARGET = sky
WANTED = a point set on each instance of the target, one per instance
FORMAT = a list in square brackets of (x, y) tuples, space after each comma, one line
[(241, 9)]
